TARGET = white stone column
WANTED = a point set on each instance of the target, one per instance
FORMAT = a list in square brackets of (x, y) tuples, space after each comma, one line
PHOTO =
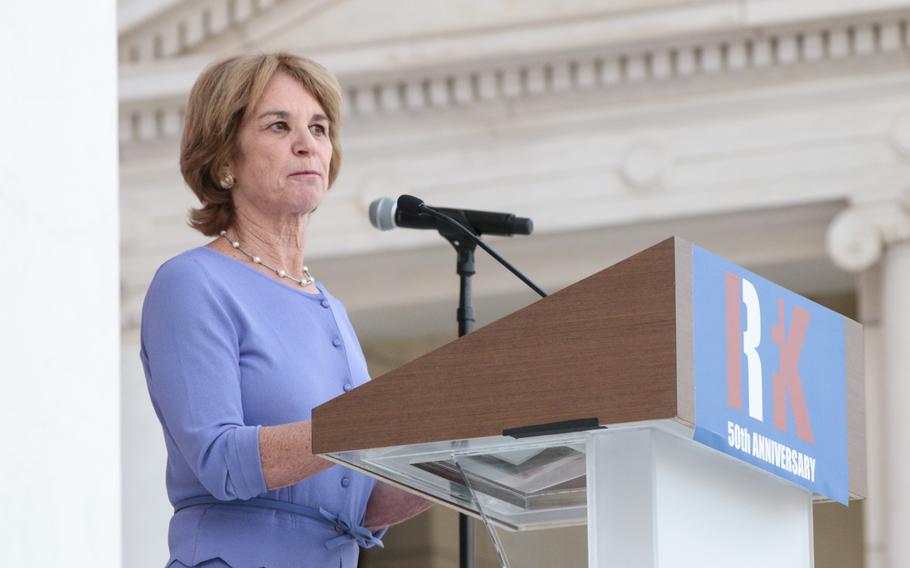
[(875, 506), (896, 369), (874, 240), (59, 395)]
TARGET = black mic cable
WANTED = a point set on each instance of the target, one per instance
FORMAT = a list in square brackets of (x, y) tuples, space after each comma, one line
[(415, 205)]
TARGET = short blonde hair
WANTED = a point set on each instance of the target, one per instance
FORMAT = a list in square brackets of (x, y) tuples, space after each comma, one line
[(220, 98)]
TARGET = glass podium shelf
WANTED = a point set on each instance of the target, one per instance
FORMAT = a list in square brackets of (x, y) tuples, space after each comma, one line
[(520, 484)]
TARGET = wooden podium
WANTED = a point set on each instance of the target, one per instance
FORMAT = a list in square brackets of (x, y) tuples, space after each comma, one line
[(685, 409)]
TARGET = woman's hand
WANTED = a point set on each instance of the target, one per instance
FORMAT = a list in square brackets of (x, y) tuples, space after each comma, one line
[(389, 506)]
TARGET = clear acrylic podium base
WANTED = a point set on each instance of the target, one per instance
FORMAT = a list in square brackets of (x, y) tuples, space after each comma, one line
[(650, 495)]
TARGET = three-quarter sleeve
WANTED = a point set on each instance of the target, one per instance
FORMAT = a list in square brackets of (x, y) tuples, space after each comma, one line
[(191, 352)]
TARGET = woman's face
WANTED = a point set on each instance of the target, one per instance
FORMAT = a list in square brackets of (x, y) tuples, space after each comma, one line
[(281, 165)]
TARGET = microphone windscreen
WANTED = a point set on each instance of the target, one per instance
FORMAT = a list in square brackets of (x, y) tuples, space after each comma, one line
[(409, 204), (382, 213)]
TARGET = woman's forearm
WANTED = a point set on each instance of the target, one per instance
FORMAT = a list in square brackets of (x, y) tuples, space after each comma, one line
[(389, 505), (286, 452)]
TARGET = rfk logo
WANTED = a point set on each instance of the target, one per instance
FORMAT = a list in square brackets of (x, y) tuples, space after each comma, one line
[(745, 341)]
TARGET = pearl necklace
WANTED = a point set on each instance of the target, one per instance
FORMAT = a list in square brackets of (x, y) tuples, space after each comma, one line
[(303, 282)]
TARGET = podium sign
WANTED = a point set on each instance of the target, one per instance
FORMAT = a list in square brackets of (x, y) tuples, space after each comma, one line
[(770, 376)]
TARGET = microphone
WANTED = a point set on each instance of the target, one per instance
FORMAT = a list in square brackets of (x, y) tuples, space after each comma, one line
[(386, 214), (411, 207)]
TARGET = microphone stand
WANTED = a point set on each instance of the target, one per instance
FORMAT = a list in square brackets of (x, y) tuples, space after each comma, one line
[(465, 241), (464, 266)]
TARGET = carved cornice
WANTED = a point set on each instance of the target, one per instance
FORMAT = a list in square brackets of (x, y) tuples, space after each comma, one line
[(734, 53), (184, 26), (737, 55)]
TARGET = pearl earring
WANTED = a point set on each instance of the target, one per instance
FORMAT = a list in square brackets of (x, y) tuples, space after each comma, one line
[(227, 182)]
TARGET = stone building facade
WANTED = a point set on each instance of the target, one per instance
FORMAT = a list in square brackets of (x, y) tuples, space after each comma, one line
[(774, 133)]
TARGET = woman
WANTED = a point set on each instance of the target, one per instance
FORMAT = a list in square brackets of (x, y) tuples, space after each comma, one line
[(239, 342)]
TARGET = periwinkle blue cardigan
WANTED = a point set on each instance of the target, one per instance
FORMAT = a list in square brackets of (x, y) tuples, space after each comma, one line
[(226, 350)]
